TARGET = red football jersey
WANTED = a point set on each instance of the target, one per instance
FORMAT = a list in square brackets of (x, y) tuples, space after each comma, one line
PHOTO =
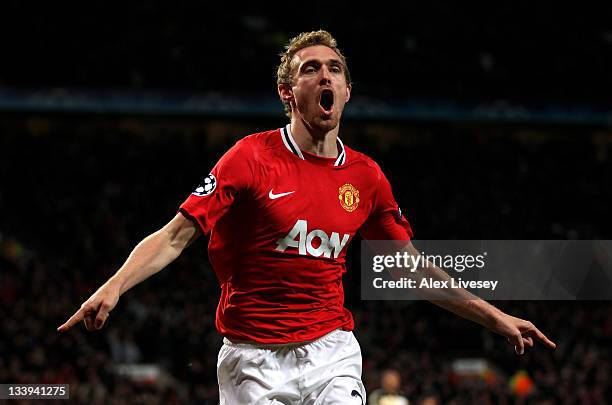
[(280, 221)]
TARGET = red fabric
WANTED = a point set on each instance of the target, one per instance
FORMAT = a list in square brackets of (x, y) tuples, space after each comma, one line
[(280, 261)]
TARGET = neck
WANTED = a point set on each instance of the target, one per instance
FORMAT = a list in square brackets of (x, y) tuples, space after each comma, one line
[(315, 141)]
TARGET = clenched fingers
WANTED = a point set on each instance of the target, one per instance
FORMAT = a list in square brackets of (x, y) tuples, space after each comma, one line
[(518, 343), (89, 321), (101, 318)]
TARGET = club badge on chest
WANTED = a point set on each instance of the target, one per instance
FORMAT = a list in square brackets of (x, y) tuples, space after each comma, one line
[(348, 196)]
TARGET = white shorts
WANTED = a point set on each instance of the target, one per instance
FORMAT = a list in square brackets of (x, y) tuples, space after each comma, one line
[(325, 371)]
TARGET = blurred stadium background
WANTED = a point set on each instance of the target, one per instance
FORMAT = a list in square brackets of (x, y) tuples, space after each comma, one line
[(492, 121)]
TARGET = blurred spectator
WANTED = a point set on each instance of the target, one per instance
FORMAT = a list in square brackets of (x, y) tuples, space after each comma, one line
[(428, 399), (389, 393)]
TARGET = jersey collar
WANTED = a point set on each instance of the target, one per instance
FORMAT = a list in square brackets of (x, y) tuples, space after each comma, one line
[(292, 146)]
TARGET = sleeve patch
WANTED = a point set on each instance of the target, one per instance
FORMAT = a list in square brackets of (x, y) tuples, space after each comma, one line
[(206, 187)]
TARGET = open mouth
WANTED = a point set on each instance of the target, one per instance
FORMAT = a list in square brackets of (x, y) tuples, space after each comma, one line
[(327, 101)]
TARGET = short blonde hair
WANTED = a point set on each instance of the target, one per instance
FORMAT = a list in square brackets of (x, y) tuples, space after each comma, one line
[(284, 72)]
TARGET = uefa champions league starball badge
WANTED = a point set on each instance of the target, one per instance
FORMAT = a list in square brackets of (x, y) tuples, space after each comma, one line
[(206, 187)]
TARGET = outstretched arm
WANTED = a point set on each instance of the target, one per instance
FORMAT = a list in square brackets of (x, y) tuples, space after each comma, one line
[(151, 255), (519, 332)]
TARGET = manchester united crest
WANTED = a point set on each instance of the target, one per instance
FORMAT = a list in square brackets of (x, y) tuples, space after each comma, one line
[(349, 197)]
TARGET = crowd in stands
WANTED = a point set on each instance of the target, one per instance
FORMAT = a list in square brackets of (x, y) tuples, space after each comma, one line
[(78, 192)]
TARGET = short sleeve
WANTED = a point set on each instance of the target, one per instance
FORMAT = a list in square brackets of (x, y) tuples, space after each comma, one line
[(231, 176), (386, 221)]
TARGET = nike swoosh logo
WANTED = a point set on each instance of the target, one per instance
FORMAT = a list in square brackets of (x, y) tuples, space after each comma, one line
[(275, 196), (356, 394)]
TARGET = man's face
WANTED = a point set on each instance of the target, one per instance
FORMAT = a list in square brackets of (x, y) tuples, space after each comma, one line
[(319, 90)]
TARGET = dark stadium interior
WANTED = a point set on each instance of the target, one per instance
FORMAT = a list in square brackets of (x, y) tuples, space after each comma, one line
[(78, 190), (540, 51)]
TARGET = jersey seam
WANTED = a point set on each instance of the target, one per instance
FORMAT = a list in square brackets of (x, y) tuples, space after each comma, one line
[(252, 186)]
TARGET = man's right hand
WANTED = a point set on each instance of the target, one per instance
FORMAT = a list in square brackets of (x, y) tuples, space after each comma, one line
[(95, 310), (151, 255)]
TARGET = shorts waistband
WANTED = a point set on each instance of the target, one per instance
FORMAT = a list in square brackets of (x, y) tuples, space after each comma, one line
[(255, 345)]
